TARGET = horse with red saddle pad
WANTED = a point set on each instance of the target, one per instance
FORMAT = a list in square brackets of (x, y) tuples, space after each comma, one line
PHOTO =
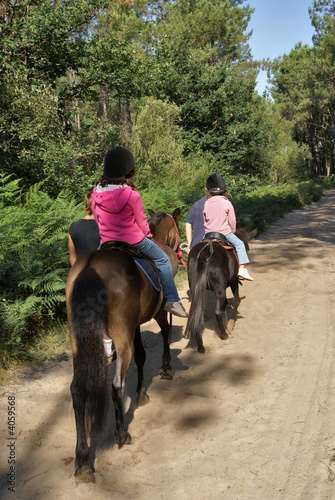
[(213, 265)]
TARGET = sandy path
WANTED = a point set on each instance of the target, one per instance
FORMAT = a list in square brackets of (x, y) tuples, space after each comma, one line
[(253, 418)]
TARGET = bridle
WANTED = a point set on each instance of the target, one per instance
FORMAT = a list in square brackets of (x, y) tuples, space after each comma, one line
[(176, 247)]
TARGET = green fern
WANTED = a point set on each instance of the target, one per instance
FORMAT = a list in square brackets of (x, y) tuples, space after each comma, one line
[(33, 257)]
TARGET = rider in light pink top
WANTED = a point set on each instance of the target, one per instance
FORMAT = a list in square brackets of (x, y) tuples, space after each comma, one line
[(219, 217)]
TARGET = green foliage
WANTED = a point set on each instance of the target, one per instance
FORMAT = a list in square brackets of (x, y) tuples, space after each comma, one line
[(326, 182), (156, 143), (267, 204), (288, 161), (33, 261), (158, 148), (61, 65), (291, 163), (304, 89)]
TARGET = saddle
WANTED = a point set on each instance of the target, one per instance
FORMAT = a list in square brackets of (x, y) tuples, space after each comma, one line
[(221, 240), (147, 266)]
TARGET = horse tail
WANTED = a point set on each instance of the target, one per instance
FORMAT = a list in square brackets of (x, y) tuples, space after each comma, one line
[(89, 322), (195, 323)]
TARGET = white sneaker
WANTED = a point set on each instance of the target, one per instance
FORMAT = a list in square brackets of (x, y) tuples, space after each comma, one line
[(243, 273), (176, 308)]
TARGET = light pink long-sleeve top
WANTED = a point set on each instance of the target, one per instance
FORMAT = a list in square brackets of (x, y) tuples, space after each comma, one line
[(219, 215), (119, 213)]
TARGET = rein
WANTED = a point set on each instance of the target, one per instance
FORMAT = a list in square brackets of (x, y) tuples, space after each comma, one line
[(176, 247)]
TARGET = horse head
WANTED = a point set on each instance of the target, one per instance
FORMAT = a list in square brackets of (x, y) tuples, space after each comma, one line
[(245, 236), (165, 228)]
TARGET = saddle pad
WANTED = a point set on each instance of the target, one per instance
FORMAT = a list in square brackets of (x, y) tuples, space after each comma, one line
[(147, 267), (149, 271)]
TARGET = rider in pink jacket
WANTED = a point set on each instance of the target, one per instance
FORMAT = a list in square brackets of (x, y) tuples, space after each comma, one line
[(119, 213)]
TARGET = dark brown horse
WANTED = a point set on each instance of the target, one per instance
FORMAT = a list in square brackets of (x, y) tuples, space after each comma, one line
[(107, 293), (165, 230), (213, 267)]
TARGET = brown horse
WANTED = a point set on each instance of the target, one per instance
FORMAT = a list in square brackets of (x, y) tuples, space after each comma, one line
[(213, 267), (108, 293), (165, 230)]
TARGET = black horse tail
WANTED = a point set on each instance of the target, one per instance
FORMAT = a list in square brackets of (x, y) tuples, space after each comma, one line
[(89, 321), (195, 323)]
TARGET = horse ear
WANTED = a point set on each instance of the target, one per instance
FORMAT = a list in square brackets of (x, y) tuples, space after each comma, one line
[(176, 214), (151, 212), (252, 234)]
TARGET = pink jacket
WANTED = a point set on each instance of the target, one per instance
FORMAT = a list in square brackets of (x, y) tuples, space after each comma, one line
[(219, 215), (119, 213)]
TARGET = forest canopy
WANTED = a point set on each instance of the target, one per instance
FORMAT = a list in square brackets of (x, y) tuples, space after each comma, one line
[(173, 81)]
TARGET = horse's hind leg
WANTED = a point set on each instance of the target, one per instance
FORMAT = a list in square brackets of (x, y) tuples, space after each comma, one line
[(123, 357), (161, 318), (221, 315), (140, 357), (235, 290), (84, 471)]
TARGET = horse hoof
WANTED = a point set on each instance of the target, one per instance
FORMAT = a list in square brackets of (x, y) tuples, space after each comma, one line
[(142, 399), (223, 336), (122, 440), (84, 474), (166, 373), (201, 349)]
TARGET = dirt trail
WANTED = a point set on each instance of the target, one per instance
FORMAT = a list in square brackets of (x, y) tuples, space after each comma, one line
[(252, 418)]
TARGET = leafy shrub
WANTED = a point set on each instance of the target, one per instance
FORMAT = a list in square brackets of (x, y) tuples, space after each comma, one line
[(33, 260), (267, 204), (159, 152), (326, 182)]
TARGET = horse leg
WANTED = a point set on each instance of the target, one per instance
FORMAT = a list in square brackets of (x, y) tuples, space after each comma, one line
[(166, 330), (235, 290), (221, 314), (140, 357), (84, 471), (123, 358)]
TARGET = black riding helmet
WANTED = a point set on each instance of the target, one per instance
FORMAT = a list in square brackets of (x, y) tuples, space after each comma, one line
[(216, 184), (119, 162)]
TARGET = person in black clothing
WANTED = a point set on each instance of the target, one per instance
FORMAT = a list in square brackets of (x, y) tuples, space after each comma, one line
[(83, 234), (84, 238)]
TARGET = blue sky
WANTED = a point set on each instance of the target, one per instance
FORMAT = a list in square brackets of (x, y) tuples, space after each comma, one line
[(278, 25)]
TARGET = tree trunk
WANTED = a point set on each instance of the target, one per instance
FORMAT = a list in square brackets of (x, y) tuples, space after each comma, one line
[(332, 143), (317, 163), (104, 101), (125, 118), (73, 83)]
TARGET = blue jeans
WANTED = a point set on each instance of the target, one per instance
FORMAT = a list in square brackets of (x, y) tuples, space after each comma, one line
[(239, 247), (163, 264)]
